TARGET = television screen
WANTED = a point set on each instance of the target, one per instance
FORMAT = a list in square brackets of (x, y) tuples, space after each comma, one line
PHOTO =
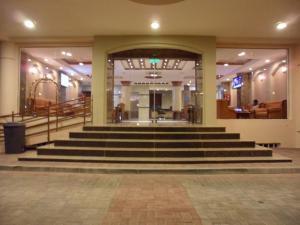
[(64, 80), (237, 82)]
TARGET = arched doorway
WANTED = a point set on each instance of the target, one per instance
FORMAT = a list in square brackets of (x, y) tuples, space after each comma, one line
[(150, 85)]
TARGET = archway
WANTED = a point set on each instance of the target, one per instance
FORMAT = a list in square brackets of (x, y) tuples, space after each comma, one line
[(157, 73)]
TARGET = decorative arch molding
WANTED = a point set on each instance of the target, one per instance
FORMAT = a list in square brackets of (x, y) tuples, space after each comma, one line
[(147, 45)]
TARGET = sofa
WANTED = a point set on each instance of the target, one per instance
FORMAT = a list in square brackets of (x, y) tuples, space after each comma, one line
[(271, 110)]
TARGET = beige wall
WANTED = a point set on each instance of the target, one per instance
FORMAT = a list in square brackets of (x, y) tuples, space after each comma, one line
[(296, 94), (9, 78), (44, 90), (109, 44), (273, 87)]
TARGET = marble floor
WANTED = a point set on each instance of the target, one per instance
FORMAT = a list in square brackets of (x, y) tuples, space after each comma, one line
[(38, 198)]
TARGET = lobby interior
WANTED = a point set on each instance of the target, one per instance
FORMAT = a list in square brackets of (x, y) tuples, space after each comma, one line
[(150, 112)]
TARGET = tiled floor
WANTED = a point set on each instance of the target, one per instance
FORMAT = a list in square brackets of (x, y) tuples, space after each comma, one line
[(28, 198)]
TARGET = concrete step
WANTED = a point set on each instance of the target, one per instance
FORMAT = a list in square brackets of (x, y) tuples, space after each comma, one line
[(152, 152), (140, 143), (155, 128), (152, 135), (147, 160)]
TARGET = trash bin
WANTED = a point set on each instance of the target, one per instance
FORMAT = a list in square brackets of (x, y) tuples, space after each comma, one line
[(14, 134)]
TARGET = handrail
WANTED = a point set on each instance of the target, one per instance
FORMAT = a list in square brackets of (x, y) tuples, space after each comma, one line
[(60, 111)]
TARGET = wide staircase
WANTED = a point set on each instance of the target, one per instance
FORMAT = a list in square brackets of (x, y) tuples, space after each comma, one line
[(154, 144)]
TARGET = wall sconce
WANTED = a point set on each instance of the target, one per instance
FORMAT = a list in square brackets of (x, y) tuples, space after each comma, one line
[(261, 77), (284, 69)]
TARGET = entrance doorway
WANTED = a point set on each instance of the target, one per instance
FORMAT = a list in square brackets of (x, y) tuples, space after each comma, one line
[(155, 86)]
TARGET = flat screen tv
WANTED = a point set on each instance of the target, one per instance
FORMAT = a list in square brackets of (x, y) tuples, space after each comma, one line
[(237, 82), (64, 80)]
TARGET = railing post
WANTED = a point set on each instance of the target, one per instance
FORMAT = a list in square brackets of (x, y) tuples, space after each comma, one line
[(56, 117), (13, 117), (84, 110), (48, 125)]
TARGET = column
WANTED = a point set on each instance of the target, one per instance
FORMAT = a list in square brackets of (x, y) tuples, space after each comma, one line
[(9, 78), (176, 99), (125, 94), (144, 103), (125, 98)]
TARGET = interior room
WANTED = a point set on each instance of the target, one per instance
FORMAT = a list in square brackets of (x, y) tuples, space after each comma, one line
[(252, 83), (148, 89), (54, 75)]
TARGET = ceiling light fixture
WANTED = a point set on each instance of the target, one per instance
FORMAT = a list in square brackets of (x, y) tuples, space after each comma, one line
[(61, 68), (29, 24), (155, 25), (226, 64), (284, 61), (81, 64), (242, 54), (281, 26), (46, 60), (69, 54), (63, 53), (29, 60), (250, 69), (268, 60)]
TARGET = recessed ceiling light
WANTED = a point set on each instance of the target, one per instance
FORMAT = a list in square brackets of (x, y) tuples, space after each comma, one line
[(46, 60), (29, 24), (284, 61), (242, 54), (155, 25), (281, 26), (250, 69), (81, 64), (268, 60), (226, 64), (63, 53)]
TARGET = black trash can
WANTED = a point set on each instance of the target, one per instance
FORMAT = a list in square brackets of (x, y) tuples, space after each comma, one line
[(14, 134)]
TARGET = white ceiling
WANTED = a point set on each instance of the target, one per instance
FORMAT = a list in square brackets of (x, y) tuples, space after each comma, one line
[(254, 58), (56, 59), (185, 75), (78, 18)]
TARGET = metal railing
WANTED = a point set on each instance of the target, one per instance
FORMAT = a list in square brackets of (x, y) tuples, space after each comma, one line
[(50, 115)]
